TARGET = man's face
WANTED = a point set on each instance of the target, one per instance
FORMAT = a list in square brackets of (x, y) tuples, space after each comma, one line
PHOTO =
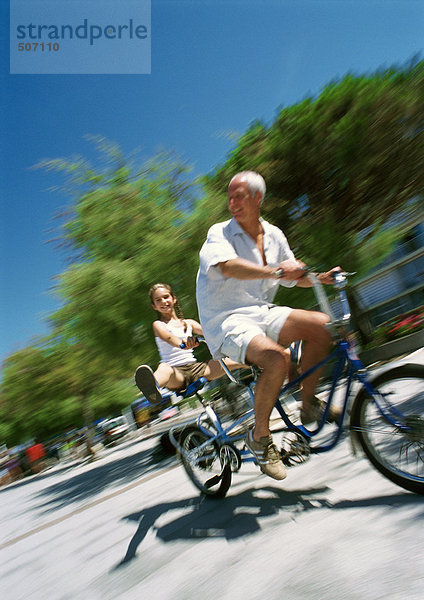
[(242, 205)]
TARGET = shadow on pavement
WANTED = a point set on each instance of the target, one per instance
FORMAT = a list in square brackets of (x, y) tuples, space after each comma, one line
[(102, 476), (229, 518), (393, 501), (239, 515)]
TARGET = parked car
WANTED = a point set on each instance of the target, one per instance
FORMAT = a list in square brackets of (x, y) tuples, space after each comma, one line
[(114, 430)]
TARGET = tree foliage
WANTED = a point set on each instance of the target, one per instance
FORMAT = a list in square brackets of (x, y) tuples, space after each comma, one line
[(129, 228), (339, 163), (32, 390), (129, 231)]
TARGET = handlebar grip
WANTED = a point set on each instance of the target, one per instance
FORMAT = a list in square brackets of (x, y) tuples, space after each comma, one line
[(336, 274), (183, 344), (342, 274)]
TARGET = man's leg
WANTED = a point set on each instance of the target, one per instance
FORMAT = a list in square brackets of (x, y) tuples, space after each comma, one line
[(308, 326), (273, 360)]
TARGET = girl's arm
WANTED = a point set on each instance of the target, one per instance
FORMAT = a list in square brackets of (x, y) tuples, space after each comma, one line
[(195, 326), (160, 330)]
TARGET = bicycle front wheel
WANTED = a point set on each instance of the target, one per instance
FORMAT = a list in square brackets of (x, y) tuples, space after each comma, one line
[(204, 462), (394, 441)]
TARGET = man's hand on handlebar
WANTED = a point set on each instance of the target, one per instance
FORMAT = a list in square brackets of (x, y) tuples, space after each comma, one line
[(328, 277), (290, 270)]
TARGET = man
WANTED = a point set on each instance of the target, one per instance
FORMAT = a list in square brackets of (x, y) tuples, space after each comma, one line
[(242, 262)]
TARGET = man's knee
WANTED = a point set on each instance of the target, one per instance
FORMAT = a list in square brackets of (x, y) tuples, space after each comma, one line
[(317, 327), (272, 357), (305, 325), (323, 319), (325, 331)]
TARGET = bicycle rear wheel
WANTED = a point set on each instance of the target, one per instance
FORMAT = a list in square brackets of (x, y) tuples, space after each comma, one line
[(204, 462), (395, 450)]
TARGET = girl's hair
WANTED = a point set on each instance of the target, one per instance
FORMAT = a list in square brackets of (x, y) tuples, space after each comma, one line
[(178, 310)]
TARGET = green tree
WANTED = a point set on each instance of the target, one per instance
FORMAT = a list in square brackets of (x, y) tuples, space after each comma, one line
[(57, 387), (35, 399), (129, 228), (340, 164), (354, 154)]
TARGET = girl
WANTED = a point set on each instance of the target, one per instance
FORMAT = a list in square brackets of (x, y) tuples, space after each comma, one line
[(178, 367)]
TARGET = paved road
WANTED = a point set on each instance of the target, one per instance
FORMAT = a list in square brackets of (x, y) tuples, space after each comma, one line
[(131, 525)]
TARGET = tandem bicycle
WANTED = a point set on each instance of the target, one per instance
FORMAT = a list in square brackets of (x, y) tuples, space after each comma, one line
[(385, 416)]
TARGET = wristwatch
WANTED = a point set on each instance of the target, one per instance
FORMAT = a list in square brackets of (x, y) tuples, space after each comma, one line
[(279, 273)]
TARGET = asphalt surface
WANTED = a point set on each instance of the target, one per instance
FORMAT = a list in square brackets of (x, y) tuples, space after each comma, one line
[(131, 525)]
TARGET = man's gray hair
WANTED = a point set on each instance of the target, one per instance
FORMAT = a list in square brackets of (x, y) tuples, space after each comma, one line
[(255, 182)]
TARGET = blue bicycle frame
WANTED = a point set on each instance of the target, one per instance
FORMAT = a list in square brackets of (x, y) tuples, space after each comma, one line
[(345, 358), (208, 445)]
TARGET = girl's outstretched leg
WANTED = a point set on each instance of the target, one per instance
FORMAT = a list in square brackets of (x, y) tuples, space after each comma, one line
[(150, 383), (167, 376)]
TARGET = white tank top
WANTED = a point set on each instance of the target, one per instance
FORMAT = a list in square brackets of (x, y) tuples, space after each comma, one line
[(172, 355)]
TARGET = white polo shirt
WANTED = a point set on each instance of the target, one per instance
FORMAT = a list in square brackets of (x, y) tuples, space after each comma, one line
[(218, 296)]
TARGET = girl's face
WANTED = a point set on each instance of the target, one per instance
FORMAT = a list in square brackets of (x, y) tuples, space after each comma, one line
[(163, 301)]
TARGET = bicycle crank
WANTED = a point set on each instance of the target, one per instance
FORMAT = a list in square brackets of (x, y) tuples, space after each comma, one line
[(295, 449)]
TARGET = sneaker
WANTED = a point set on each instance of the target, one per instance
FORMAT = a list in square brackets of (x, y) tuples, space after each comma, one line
[(146, 382), (267, 456), (315, 410)]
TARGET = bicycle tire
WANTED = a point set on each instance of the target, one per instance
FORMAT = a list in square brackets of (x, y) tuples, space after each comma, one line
[(207, 468), (395, 453), (230, 453)]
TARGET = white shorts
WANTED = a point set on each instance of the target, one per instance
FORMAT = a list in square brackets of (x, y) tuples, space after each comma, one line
[(240, 329)]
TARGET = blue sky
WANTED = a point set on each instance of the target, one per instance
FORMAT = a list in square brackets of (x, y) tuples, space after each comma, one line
[(216, 66)]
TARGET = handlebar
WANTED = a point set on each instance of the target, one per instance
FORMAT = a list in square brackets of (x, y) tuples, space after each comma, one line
[(183, 345), (338, 276), (340, 279)]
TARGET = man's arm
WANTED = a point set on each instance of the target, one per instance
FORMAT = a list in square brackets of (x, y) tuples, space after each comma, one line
[(239, 268), (291, 270), (322, 277)]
